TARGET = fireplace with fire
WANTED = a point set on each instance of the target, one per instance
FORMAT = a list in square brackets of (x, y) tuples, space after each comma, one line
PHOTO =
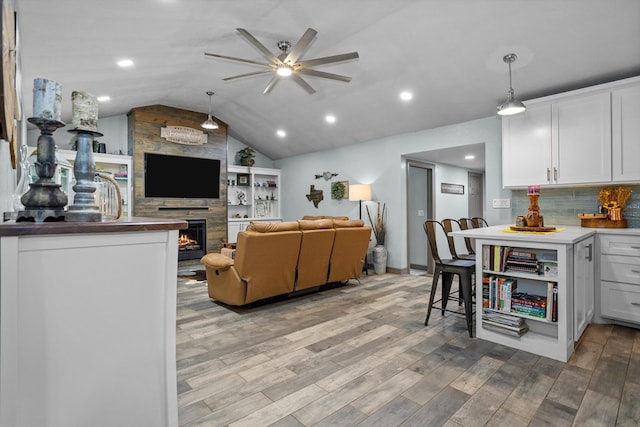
[(192, 242)]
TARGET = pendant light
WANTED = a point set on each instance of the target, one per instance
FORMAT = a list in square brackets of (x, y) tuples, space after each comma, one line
[(511, 105), (209, 123)]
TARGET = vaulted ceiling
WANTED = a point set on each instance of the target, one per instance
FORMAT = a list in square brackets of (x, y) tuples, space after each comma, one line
[(448, 53)]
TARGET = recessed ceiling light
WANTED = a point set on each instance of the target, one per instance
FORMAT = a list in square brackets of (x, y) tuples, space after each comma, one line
[(281, 133), (104, 98), (406, 96), (125, 63), (469, 157), (330, 118)]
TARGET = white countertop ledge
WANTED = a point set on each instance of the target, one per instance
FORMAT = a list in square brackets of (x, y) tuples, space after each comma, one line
[(567, 234)]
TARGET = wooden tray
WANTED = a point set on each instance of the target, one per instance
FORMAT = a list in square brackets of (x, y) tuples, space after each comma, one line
[(517, 228), (603, 223)]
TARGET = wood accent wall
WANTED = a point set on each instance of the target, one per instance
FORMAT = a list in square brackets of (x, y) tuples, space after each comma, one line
[(144, 137)]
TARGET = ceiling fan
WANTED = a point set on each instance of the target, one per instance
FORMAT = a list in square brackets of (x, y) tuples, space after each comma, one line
[(286, 64)]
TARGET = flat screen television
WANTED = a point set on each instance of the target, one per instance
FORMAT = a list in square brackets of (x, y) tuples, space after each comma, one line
[(181, 177)]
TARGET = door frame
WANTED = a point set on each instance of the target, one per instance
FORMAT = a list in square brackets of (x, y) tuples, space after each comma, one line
[(431, 201)]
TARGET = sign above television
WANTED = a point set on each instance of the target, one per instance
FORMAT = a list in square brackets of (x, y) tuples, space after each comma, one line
[(183, 135)]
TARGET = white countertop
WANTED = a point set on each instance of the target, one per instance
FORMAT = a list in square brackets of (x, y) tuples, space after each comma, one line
[(566, 235)]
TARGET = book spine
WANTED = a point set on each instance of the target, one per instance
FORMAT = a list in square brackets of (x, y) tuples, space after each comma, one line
[(486, 283), (554, 311)]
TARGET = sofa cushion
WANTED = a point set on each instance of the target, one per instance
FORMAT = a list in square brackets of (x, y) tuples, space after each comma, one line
[(271, 227), (314, 218), (317, 224), (337, 223)]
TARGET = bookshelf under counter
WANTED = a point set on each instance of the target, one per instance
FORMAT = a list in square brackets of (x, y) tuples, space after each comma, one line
[(529, 288)]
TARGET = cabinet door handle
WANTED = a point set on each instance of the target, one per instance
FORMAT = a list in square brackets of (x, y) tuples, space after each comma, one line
[(635, 271), (635, 303), (590, 249), (555, 174), (635, 247), (548, 175)]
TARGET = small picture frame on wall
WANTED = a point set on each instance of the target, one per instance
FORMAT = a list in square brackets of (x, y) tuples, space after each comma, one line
[(451, 188), (244, 179)]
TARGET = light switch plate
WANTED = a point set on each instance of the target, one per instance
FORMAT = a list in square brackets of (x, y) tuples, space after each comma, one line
[(501, 203)]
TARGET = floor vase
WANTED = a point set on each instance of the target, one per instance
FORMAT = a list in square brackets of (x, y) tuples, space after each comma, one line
[(380, 259)]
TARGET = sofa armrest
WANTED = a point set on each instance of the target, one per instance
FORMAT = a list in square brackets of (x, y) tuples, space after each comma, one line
[(217, 261)]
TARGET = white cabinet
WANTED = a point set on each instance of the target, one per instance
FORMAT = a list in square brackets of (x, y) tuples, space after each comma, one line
[(558, 142), (118, 166), (88, 317), (620, 277), (626, 134), (581, 139), (526, 147), (252, 194), (587, 136), (583, 284)]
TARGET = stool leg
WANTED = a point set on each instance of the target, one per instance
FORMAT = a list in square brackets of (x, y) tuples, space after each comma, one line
[(447, 282), (466, 290), (434, 285)]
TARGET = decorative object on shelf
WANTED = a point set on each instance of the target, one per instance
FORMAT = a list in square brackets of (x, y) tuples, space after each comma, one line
[(511, 105), (209, 124), (245, 156), (85, 119), (379, 230), (451, 188), (45, 201), (244, 179), (183, 135), (533, 221), (326, 175), (315, 196), (340, 190), (242, 198)]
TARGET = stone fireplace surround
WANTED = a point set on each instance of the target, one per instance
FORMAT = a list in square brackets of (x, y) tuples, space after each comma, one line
[(144, 128)]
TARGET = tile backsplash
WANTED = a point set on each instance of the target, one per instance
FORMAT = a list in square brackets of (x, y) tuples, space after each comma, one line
[(561, 206)]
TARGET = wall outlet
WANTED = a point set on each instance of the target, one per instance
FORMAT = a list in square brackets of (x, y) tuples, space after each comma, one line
[(501, 203)]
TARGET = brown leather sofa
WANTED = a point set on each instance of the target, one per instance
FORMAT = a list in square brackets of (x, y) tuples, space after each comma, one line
[(284, 257)]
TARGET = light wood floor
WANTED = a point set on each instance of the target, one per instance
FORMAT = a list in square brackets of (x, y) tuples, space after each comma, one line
[(360, 355)]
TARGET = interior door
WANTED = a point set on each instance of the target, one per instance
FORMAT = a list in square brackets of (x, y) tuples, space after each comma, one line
[(475, 200), (419, 209)]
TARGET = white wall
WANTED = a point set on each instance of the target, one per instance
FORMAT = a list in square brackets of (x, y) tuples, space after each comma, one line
[(381, 164)]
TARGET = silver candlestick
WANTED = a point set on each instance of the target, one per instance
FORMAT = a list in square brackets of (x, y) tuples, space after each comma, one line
[(45, 201), (84, 208)]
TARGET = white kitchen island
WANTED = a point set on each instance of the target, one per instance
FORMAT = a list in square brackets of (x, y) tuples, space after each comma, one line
[(571, 249), (87, 323)]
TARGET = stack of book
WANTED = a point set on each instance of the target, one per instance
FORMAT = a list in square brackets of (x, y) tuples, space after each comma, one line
[(518, 260), (504, 323)]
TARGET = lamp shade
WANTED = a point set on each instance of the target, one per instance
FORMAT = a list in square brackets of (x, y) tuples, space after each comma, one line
[(359, 192)]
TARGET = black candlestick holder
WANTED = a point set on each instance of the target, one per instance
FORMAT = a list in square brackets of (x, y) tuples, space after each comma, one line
[(45, 201), (84, 208)]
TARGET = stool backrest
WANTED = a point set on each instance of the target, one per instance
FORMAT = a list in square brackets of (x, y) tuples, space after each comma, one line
[(479, 222), (450, 225), (434, 228)]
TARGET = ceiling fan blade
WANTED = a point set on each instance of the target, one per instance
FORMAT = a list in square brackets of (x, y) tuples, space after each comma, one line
[(328, 59), (302, 44), (255, 73), (296, 78), (255, 43), (271, 85), (248, 61), (315, 73)]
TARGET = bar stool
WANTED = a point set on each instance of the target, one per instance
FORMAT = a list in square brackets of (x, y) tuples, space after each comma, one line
[(479, 222), (453, 225), (467, 224), (447, 268)]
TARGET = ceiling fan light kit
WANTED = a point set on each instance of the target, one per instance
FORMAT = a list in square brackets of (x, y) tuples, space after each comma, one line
[(286, 64), (511, 105), (209, 123)]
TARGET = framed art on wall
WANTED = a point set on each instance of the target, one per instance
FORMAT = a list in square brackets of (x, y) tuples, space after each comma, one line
[(451, 188), (244, 179)]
